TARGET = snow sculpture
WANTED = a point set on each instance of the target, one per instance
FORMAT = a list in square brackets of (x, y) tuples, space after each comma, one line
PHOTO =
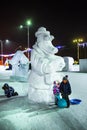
[(45, 67), (68, 63), (20, 66), (83, 65)]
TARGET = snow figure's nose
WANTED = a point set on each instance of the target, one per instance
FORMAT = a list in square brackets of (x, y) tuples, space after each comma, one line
[(52, 49)]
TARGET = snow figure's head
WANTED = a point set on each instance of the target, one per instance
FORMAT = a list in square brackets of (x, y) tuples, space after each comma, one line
[(44, 41)]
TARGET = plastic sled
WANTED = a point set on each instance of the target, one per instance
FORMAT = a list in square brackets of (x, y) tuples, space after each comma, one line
[(75, 101), (61, 102)]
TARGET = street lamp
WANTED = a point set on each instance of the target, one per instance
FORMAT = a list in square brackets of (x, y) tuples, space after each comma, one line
[(28, 23), (1, 42), (77, 41)]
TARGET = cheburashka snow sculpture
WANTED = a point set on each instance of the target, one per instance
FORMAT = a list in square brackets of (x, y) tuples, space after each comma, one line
[(20, 66), (45, 67)]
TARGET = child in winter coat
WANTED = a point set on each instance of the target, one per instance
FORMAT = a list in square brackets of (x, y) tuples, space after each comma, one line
[(56, 91), (9, 91), (65, 90)]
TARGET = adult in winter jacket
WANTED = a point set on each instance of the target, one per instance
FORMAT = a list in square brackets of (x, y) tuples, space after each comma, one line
[(65, 90)]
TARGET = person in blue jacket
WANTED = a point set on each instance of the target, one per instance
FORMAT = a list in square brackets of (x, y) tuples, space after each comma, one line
[(9, 91), (65, 90)]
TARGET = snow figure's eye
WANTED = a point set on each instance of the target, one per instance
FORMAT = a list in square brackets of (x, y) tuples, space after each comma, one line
[(46, 37)]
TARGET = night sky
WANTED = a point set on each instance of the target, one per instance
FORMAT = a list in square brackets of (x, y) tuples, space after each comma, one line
[(65, 20)]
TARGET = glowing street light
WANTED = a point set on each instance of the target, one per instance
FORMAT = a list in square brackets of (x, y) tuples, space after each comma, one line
[(77, 41), (21, 26), (28, 23)]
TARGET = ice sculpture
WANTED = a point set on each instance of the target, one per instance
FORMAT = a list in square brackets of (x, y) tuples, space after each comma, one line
[(68, 63), (20, 66), (45, 66)]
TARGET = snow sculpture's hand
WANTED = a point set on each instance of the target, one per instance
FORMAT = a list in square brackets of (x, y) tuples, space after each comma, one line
[(54, 66), (50, 67)]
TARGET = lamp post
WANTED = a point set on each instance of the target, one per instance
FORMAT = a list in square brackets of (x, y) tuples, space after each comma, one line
[(78, 41), (28, 23), (1, 42)]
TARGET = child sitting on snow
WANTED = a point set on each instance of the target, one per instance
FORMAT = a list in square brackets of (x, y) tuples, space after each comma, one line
[(56, 91), (8, 90)]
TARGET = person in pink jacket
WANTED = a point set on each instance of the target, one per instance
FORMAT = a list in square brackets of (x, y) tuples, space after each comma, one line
[(56, 91)]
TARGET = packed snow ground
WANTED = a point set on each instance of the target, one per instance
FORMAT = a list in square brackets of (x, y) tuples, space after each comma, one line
[(17, 113)]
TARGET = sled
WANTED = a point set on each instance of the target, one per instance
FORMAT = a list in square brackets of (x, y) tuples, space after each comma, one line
[(61, 102), (75, 101)]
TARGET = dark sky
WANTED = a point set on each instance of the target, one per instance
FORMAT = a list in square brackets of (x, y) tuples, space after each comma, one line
[(65, 20)]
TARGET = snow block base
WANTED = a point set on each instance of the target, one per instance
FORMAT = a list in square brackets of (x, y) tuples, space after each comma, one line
[(40, 96)]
